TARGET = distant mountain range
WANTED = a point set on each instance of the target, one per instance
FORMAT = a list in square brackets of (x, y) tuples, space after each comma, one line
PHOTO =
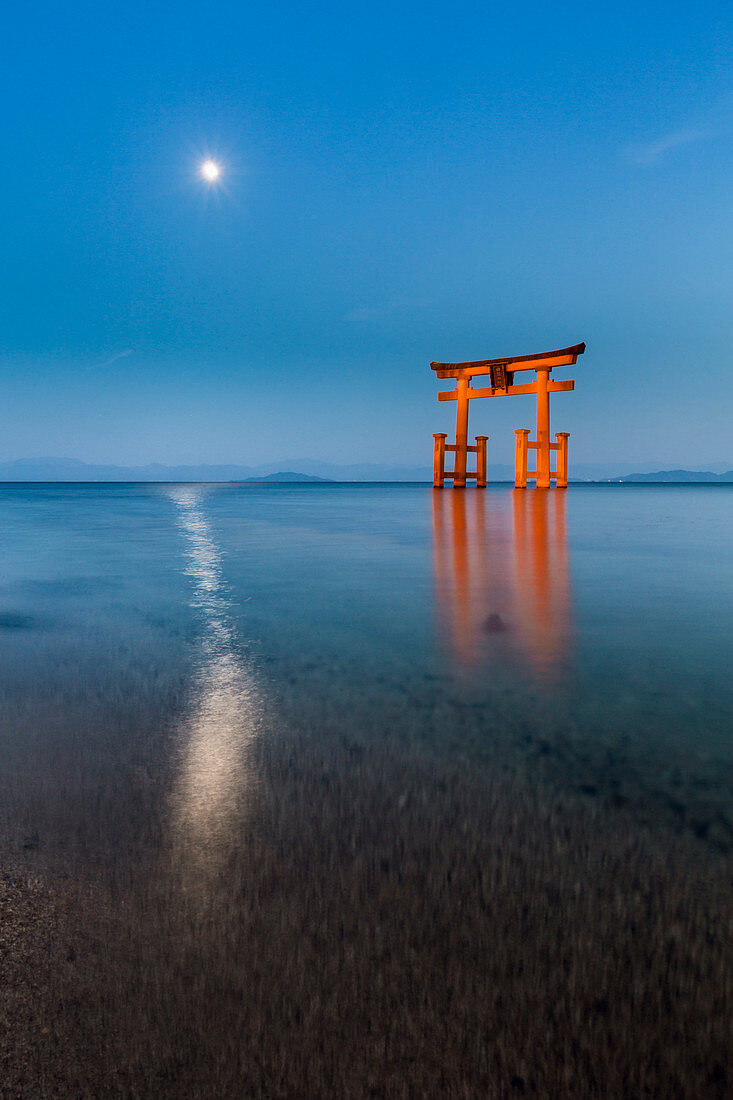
[(311, 470), (289, 475), (677, 476), (71, 469)]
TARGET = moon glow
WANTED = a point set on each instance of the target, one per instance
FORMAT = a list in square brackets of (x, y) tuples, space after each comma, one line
[(210, 171)]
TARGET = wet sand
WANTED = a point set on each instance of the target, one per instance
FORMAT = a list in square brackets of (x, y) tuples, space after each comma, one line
[(379, 923)]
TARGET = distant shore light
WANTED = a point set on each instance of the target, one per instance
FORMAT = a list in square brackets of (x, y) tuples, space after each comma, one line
[(210, 171)]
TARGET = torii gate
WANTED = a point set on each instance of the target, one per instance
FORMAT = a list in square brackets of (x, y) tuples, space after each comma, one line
[(501, 372)]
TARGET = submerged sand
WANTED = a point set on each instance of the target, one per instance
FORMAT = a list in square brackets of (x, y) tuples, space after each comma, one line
[(384, 925)]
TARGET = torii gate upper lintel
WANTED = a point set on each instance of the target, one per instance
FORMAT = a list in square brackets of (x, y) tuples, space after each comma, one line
[(501, 373)]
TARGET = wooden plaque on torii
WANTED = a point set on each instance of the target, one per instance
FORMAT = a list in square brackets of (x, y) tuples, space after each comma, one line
[(501, 373)]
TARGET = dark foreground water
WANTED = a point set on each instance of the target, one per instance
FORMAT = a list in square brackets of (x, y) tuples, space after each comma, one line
[(215, 699)]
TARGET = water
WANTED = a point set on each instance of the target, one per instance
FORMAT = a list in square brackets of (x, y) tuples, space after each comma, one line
[(323, 790), (153, 635)]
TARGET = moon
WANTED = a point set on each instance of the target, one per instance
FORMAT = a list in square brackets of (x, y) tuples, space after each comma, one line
[(210, 171)]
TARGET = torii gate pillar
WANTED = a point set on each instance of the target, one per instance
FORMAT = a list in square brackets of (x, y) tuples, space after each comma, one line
[(543, 430), (461, 462)]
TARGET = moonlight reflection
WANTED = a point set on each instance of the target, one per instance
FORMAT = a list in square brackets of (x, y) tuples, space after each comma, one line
[(213, 780)]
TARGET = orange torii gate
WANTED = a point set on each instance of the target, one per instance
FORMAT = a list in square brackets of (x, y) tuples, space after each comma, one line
[(501, 373)]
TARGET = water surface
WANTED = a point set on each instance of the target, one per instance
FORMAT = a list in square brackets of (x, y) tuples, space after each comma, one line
[(150, 630)]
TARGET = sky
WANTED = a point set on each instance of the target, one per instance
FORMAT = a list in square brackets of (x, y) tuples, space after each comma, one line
[(401, 183)]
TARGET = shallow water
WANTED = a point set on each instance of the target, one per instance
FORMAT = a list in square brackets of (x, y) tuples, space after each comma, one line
[(169, 629), (365, 790)]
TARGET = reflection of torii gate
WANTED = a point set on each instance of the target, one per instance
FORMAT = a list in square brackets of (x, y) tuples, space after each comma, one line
[(502, 581), (501, 372)]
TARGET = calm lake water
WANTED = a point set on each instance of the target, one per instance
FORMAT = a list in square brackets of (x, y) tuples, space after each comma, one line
[(169, 629)]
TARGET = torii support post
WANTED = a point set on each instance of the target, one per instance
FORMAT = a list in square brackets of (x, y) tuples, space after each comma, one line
[(439, 460), (560, 473), (561, 443), (542, 473), (481, 441), (439, 471), (501, 372), (520, 472)]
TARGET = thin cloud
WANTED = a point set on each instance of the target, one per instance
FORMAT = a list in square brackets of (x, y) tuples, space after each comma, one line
[(654, 151), (112, 359), (382, 311), (364, 313)]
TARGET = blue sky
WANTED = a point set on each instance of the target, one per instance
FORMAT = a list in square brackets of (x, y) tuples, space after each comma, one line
[(401, 183)]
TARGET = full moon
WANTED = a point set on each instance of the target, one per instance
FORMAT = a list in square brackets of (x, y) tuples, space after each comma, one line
[(210, 171)]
